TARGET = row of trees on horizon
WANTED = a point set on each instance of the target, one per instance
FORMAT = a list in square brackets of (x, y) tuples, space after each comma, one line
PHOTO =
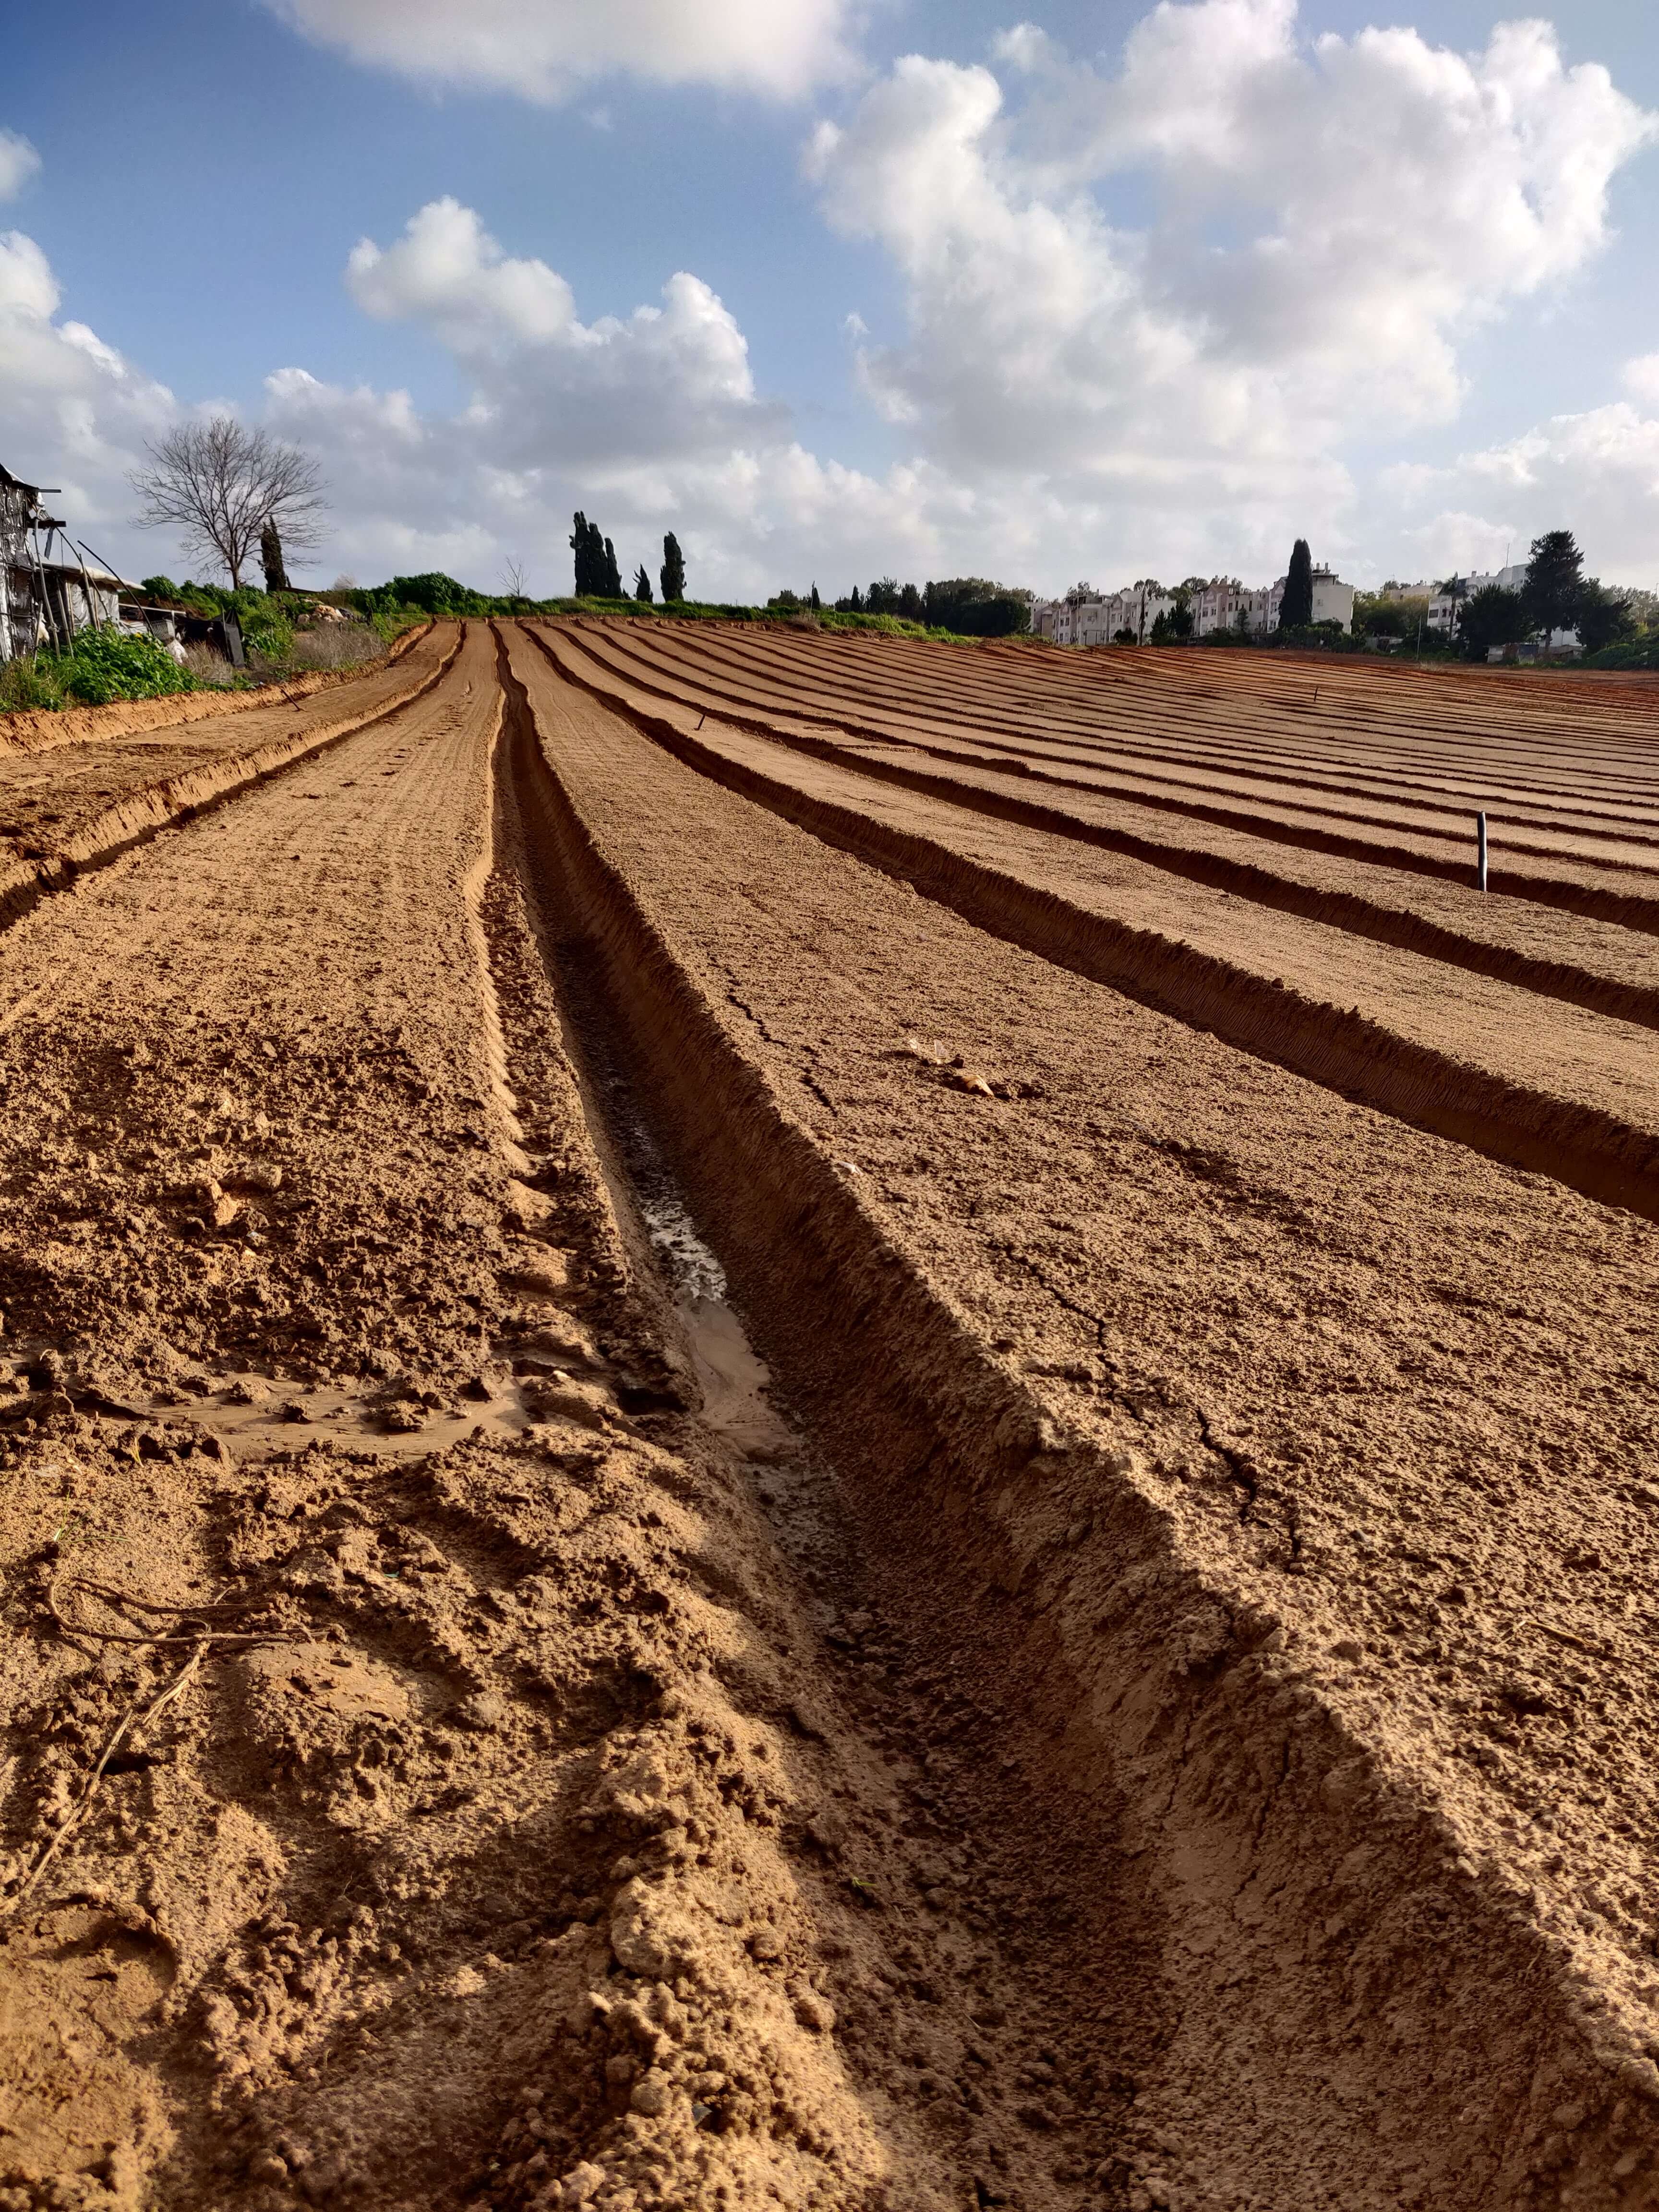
[(1555, 594)]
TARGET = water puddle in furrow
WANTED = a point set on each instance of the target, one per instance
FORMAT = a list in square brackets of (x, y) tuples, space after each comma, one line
[(733, 1380)]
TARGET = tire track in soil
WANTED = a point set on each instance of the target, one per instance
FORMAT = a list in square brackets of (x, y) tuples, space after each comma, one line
[(1376, 1994), (1032, 897)]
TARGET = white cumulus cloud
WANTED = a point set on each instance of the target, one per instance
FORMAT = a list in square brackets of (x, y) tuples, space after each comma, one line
[(1149, 313), (1322, 225), (1595, 473), (546, 49), (668, 380), (19, 163), (77, 413)]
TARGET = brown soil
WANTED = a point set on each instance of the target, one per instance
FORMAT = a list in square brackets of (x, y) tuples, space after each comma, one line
[(79, 804), (1140, 1701), (1419, 1037), (1616, 880)]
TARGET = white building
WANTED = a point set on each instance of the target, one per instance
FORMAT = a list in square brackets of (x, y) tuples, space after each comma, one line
[(1100, 621), (1216, 605), (1444, 607), (1222, 603), (1333, 599)]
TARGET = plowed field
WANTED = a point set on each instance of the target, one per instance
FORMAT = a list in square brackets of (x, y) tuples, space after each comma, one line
[(802, 1421)]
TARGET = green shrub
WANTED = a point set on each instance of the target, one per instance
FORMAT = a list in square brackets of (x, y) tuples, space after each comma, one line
[(101, 666), (1633, 652), (389, 622), (267, 631), (105, 664)]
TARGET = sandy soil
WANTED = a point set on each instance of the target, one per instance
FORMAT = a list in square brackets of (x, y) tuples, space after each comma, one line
[(76, 804), (1296, 1344), (1142, 1698), (1577, 1094), (1610, 875)]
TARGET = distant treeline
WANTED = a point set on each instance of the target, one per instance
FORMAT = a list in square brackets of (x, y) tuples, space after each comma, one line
[(965, 606), (972, 607)]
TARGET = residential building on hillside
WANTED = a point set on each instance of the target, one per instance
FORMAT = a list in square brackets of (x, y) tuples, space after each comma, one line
[(1218, 605), (1333, 599), (1223, 603), (1100, 621)]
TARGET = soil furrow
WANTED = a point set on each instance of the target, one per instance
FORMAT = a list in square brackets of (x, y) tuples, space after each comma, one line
[(1148, 746), (1372, 1907), (1132, 726), (1595, 965), (1026, 892), (1621, 896), (505, 1810), (70, 826), (46, 731)]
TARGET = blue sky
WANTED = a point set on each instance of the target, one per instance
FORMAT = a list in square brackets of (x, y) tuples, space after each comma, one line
[(1070, 358)]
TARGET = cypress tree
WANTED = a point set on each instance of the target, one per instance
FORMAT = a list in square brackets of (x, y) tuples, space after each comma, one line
[(585, 544), (815, 602), (1295, 608), (642, 587), (271, 558), (611, 587), (674, 569)]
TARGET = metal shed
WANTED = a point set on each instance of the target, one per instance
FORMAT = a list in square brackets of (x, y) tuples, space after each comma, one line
[(50, 585)]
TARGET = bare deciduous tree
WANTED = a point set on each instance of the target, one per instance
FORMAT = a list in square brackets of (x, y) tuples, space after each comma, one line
[(219, 484), (514, 584)]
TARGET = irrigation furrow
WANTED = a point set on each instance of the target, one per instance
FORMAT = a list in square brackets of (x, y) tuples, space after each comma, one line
[(1622, 895), (997, 1280)]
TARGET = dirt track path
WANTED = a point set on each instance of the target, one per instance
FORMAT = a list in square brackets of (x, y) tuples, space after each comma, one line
[(1282, 1361)]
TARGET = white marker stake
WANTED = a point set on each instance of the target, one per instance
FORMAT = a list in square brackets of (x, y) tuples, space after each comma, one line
[(1480, 852)]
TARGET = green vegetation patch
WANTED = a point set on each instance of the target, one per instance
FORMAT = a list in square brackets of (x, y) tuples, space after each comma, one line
[(103, 664)]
